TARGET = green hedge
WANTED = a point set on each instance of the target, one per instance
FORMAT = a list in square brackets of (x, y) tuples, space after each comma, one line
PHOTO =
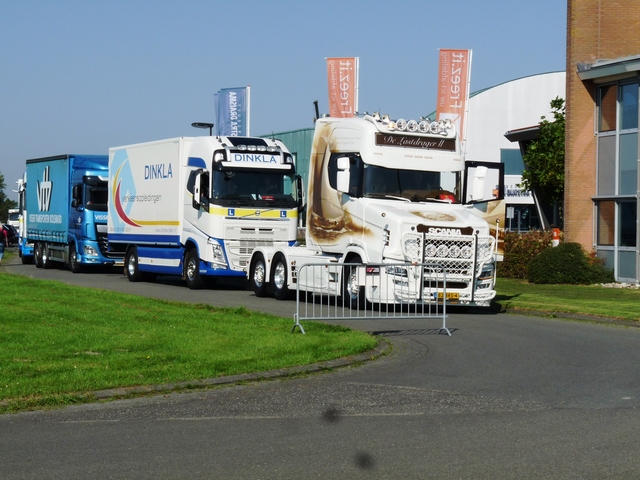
[(567, 263), (520, 249)]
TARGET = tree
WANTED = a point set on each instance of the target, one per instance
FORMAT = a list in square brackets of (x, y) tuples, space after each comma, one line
[(544, 159), (5, 203)]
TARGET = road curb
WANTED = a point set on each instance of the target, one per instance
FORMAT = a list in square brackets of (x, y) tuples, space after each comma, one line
[(382, 348)]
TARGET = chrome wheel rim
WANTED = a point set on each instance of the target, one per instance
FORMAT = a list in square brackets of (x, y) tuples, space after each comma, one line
[(131, 265), (279, 275), (191, 269), (258, 274)]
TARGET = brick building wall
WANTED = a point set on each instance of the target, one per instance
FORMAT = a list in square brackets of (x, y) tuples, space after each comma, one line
[(596, 30)]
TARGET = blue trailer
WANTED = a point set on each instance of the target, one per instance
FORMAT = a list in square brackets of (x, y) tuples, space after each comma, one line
[(66, 211)]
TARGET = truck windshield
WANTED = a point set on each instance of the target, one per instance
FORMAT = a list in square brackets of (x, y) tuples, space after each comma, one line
[(96, 196), (259, 188), (412, 185)]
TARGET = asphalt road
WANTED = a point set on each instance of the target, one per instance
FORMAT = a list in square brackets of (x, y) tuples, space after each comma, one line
[(504, 397)]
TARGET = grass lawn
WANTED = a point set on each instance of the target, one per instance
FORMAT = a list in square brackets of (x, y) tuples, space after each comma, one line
[(514, 294), (58, 342)]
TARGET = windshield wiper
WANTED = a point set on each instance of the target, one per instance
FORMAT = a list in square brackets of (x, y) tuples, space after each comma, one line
[(385, 195)]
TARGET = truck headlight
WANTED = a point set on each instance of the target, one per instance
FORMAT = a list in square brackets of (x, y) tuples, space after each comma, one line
[(90, 251), (486, 273), (218, 254)]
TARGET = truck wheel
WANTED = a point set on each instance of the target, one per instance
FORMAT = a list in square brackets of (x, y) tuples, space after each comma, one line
[(258, 276), (46, 257), (192, 270), (76, 267), (352, 293), (279, 280), (131, 265), (37, 254)]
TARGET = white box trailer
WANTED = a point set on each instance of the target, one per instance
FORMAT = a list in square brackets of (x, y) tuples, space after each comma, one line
[(198, 206)]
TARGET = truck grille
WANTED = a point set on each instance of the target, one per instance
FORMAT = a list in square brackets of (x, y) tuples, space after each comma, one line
[(461, 256), (240, 251)]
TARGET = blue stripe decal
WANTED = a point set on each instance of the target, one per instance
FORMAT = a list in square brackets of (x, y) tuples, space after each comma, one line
[(196, 162)]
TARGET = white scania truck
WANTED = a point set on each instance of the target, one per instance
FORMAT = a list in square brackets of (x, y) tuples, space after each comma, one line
[(198, 206), (391, 192)]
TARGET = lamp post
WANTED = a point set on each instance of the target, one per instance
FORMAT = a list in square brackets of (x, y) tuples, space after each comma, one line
[(204, 125)]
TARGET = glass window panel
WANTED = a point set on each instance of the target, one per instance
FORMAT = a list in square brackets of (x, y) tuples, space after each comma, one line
[(626, 265), (628, 184), (608, 256), (606, 222), (607, 165), (628, 217), (512, 159), (607, 108), (629, 106)]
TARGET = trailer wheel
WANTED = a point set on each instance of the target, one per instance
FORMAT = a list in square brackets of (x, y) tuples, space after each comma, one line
[(192, 270), (257, 276), (76, 267), (279, 278), (352, 293), (131, 265), (37, 254)]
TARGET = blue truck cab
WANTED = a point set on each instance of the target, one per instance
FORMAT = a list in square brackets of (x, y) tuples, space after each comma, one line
[(66, 211)]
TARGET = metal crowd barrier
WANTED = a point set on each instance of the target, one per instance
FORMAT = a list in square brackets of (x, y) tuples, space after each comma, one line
[(394, 291)]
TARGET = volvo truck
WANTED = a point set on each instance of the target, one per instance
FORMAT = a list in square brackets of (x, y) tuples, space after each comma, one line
[(391, 192), (197, 207)]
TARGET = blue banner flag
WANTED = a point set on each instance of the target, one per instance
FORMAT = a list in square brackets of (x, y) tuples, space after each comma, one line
[(232, 111)]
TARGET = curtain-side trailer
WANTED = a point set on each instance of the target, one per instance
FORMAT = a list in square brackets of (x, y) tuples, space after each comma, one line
[(66, 211)]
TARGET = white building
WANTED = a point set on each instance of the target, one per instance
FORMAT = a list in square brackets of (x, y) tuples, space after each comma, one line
[(507, 107)]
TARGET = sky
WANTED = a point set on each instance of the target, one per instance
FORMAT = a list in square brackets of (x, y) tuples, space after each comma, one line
[(80, 76)]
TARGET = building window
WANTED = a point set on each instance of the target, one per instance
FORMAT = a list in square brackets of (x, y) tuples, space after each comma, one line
[(628, 181), (629, 106), (628, 215), (606, 222), (606, 165), (617, 177), (607, 108)]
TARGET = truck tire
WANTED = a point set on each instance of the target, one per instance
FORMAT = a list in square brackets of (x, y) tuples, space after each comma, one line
[(279, 277), (74, 264), (131, 265), (258, 277), (352, 294), (192, 270), (37, 254)]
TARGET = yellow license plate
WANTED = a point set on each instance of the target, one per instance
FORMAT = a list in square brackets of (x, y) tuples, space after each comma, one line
[(450, 295)]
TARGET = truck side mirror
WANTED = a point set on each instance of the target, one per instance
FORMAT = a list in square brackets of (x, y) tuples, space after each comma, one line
[(195, 201), (302, 201), (343, 174), (479, 183), (483, 182), (76, 193)]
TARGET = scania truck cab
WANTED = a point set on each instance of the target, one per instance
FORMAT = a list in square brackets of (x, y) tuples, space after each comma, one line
[(391, 192)]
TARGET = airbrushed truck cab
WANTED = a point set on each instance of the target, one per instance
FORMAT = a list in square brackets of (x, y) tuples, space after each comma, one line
[(391, 192)]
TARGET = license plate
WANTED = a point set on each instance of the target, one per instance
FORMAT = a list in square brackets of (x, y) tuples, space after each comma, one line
[(450, 295)]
